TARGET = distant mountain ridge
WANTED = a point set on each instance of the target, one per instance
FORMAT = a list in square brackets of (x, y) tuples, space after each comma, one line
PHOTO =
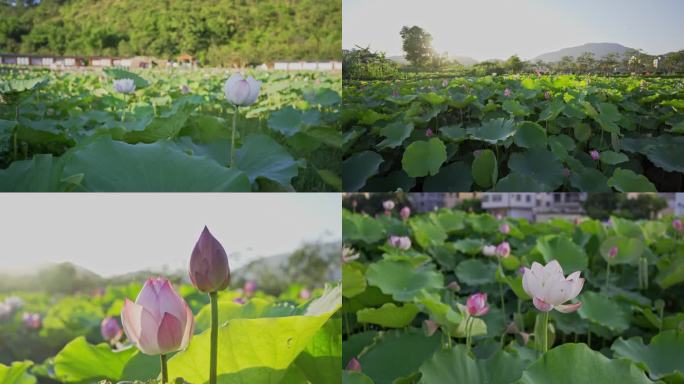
[(464, 60), (598, 49)]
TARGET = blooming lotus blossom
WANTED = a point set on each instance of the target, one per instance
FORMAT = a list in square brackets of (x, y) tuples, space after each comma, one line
[(349, 254), (429, 132), (445, 82), (549, 288), (505, 228), (503, 250), (507, 92), (353, 365), (678, 225), (110, 329), (305, 294), (595, 155), (613, 252), (209, 270), (32, 320), (241, 92), (124, 86), (159, 321), (401, 242), (489, 250), (477, 304), (14, 302), (388, 205), (405, 213)]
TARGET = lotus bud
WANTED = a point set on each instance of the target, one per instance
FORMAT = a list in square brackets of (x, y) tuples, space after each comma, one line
[(505, 228), (401, 242), (678, 225), (239, 300), (32, 320), (549, 288), (454, 286), (489, 250), (429, 132), (503, 250), (388, 205), (110, 329), (241, 92), (507, 92), (353, 365), (159, 321), (349, 255), (124, 86), (613, 252), (305, 294), (477, 304), (405, 213), (249, 288), (209, 270), (445, 82), (577, 221), (184, 89), (395, 93), (595, 155)]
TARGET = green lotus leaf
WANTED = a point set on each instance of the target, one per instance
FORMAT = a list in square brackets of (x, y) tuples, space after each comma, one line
[(670, 271), (433, 98), (589, 180), (578, 364), (629, 249), (261, 156), (449, 220), (530, 135), (627, 228), (469, 246), (483, 223), (384, 365), (402, 279), (370, 117), (325, 97), (612, 158), (395, 133), (352, 377), (427, 233), (449, 320), (287, 121), (604, 311), (515, 283), (540, 165), (321, 359), (454, 177), (666, 153), (229, 310), (493, 131), (80, 361), (392, 182), (520, 182), (118, 73), (17, 373), (456, 365), (625, 180), (358, 168), (582, 131), (40, 174), (389, 315), (423, 158), (485, 169), (353, 279), (354, 345), (552, 110), (475, 272), (453, 132), (662, 358), (571, 256), (357, 227), (515, 108)]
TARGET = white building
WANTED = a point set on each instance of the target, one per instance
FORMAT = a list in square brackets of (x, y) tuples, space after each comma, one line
[(535, 206), (679, 204)]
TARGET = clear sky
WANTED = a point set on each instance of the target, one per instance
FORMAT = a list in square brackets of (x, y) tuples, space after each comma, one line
[(112, 234), (485, 29)]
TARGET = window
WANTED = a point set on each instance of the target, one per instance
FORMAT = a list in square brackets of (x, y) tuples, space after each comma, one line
[(557, 197), (518, 197), (496, 197), (528, 198)]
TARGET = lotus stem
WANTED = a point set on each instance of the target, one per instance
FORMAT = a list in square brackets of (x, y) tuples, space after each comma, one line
[(213, 297), (164, 369), (607, 274), (232, 137), (546, 332), (123, 113), (469, 329)]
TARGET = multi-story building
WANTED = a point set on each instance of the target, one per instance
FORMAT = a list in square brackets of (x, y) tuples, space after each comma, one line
[(423, 202), (535, 206)]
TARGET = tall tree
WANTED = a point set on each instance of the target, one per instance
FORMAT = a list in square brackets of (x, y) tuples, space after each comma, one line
[(417, 44)]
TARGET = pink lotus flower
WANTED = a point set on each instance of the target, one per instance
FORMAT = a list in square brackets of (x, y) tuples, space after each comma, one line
[(613, 252), (249, 288), (595, 155), (505, 228), (578, 221), (32, 320), (388, 205), (678, 225), (353, 365), (159, 321), (445, 82), (429, 133), (110, 329), (405, 213), (209, 270), (477, 304), (401, 242), (503, 250), (507, 92), (549, 288), (305, 294)]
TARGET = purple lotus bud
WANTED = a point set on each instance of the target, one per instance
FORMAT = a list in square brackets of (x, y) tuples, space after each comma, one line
[(395, 93), (678, 225), (405, 213), (503, 250), (429, 133), (305, 294), (613, 252), (353, 365), (110, 329), (184, 89), (521, 271), (507, 92), (578, 221), (209, 270), (388, 205), (595, 155), (505, 228), (239, 300), (249, 288)]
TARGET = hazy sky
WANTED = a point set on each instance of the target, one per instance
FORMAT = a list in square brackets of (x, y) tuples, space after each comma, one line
[(485, 29), (117, 233)]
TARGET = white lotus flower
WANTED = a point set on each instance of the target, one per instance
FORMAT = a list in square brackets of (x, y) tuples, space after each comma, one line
[(489, 250), (240, 91), (549, 288), (124, 85)]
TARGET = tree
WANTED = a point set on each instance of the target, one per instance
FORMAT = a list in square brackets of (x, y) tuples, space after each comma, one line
[(417, 44), (600, 205), (643, 207), (514, 64), (586, 62), (608, 63), (566, 64)]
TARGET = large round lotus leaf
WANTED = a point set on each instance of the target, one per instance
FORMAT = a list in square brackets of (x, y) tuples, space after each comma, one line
[(17, 373), (604, 311), (653, 231), (357, 227), (457, 366), (80, 361), (353, 377), (453, 132), (389, 315), (475, 272), (398, 354), (493, 131), (321, 359), (626, 228), (540, 165), (625, 180), (589, 180), (671, 271), (552, 110), (484, 168), (427, 233), (469, 246), (287, 121), (519, 182), (578, 364), (570, 255), (261, 156), (582, 131), (441, 313), (663, 357), (355, 344), (423, 158), (40, 174), (353, 279), (395, 133), (358, 168), (455, 177), (449, 220), (612, 158), (483, 223), (515, 108), (402, 280), (115, 166), (530, 135), (667, 153), (393, 181), (629, 249)]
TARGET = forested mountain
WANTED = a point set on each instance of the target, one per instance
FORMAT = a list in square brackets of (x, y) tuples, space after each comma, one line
[(218, 32), (599, 50)]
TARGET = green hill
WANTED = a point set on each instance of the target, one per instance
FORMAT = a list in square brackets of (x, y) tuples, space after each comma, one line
[(218, 32)]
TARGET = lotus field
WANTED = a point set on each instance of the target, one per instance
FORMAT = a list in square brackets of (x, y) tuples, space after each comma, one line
[(456, 297), (514, 133), (159, 332), (169, 130)]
